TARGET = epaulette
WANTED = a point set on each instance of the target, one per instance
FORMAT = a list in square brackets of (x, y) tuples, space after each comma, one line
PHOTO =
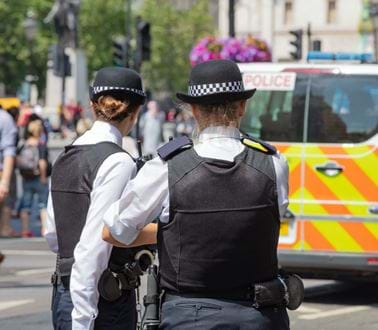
[(258, 144), (173, 147)]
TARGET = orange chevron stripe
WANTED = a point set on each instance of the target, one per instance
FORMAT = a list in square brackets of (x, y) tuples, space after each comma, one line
[(295, 179), (361, 235), (320, 191), (354, 174), (315, 239), (282, 148)]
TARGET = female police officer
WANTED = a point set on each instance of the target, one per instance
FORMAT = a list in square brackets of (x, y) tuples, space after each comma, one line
[(219, 204), (87, 177)]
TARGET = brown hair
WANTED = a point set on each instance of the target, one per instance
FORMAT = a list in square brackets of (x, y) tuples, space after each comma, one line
[(109, 108), (224, 114)]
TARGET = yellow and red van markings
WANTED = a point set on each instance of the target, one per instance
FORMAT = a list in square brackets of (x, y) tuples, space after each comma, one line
[(354, 173), (373, 228), (295, 179), (337, 236), (363, 236), (315, 239), (348, 194), (297, 244), (323, 192), (352, 185)]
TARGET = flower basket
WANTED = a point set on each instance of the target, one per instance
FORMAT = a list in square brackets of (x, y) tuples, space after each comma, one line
[(249, 49)]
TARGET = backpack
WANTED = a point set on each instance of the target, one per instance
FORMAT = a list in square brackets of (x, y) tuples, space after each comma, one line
[(27, 160)]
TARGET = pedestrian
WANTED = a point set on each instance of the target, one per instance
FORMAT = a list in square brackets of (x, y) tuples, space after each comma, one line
[(151, 124), (32, 163), (88, 176), (219, 205), (11, 200), (185, 123), (8, 138)]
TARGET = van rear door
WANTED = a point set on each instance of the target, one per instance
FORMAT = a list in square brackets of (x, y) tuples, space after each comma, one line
[(340, 210)]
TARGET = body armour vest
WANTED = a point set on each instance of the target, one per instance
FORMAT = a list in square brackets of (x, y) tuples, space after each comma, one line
[(71, 184), (224, 223)]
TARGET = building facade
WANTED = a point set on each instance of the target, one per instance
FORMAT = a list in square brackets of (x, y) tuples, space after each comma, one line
[(335, 23)]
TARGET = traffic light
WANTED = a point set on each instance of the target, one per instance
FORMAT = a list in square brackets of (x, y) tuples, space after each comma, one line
[(297, 43), (143, 41), (120, 52)]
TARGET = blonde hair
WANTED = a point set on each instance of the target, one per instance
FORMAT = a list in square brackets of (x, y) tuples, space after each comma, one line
[(35, 128), (224, 114), (109, 108)]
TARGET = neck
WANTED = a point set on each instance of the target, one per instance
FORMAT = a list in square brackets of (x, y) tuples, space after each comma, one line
[(118, 125)]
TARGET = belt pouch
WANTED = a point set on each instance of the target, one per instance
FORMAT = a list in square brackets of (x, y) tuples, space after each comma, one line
[(269, 293)]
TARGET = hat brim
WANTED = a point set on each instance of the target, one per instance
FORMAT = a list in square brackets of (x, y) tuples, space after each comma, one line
[(118, 94), (216, 97)]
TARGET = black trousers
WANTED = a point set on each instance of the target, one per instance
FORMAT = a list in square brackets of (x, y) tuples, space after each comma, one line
[(117, 315), (205, 314), (120, 314)]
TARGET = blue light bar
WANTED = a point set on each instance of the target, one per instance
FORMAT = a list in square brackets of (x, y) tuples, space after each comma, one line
[(339, 56), (317, 55), (367, 57), (347, 56)]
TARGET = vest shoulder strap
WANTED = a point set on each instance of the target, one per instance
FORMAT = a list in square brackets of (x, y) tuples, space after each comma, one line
[(258, 144), (173, 147)]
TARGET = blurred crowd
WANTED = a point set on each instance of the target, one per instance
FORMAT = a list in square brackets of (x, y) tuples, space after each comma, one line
[(24, 159), (24, 137)]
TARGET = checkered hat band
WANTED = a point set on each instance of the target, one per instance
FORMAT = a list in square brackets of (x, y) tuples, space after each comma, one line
[(99, 89), (207, 89)]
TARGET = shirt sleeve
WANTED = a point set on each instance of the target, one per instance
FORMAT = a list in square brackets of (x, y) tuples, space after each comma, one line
[(142, 201), (50, 232), (92, 253), (43, 153), (8, 137), (282, 182)]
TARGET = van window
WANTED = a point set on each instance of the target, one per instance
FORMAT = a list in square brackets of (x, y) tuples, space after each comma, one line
[(277, 115), (343, 108)]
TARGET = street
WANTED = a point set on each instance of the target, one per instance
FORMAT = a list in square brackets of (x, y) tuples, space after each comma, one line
[(25, 294)]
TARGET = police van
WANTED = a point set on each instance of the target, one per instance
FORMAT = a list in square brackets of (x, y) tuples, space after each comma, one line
[(324, 118)]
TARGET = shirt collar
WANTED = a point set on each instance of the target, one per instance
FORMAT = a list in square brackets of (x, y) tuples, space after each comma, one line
[(107, 131), (219, 132)]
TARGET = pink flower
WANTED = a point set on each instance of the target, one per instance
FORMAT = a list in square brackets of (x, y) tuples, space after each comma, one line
[(249, 49)]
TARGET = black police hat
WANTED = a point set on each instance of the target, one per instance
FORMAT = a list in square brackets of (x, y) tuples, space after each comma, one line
[(118, 82), (215, 82)]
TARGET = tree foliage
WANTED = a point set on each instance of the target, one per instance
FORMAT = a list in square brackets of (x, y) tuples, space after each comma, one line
[(173, 34), (100, 22), (17, 57)]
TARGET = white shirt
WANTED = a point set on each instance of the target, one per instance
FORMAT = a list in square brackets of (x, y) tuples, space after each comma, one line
[(92, 254), (147, 196)]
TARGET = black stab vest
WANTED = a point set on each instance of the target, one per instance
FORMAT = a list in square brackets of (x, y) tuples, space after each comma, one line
[(224, 223), (72, 180)]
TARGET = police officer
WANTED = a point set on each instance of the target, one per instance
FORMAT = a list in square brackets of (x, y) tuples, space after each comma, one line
[(87, 177), (219, 205)]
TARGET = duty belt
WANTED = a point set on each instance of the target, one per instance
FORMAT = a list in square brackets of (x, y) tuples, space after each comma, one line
[(270, 293)]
